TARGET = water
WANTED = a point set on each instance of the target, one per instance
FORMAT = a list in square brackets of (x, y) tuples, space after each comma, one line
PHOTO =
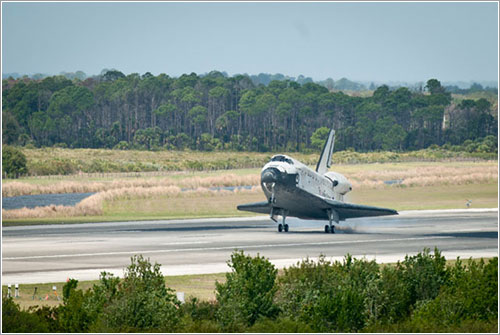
[(70, 199), (32, 201)]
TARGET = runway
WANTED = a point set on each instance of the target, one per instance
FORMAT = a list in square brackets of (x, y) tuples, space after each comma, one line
[(52, 253)]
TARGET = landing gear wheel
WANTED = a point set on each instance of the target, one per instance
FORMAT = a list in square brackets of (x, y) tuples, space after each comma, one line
[(286, 228), (327, 229), (333, 229), (280, 227)]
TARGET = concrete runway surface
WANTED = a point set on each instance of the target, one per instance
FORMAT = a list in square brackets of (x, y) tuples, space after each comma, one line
[(52, 253)]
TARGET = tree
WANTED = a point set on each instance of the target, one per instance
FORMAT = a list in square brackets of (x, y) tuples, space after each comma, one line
[(113, 75), (319, 137), (434, 86), (10, 128), (13, 162), (102, 111), (247, 293)]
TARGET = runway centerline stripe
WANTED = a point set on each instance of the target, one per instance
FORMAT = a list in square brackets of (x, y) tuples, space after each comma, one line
[(229, 247)]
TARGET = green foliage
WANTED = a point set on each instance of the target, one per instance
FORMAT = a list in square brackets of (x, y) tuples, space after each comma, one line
[(149, 112), (207, 143), (467, 302), (73, 317), (280, 325), (327, 296), (14, 320), (149, 138), (319, 137), (199, 316), (10, 128), (56, 166), (418, 294), (416, 279), (472, 294), (423, 274), (122, 145), (13, 162), (140, 302), (248, 292)]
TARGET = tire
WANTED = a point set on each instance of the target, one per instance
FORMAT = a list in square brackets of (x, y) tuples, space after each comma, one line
[(327, 229), (280, 227), (333, 230), (286, 228)]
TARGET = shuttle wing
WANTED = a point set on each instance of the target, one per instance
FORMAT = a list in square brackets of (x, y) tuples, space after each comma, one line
[(349, 211), (263, 207), (325, 160)]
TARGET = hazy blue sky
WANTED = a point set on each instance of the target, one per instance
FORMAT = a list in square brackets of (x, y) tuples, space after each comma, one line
[(361, 41)]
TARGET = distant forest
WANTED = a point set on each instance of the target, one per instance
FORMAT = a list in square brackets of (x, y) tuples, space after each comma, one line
[(251, 113)]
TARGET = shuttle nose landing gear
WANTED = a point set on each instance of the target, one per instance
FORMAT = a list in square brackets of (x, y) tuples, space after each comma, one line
[(332, 217)]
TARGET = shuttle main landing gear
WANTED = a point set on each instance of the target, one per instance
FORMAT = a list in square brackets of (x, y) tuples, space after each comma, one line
[(332, 217), (330, 229), (283, 226)]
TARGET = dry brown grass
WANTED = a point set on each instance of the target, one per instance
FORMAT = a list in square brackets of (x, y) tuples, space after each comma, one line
[(93, 205), (20, 188), (427, 176), (362, 177)]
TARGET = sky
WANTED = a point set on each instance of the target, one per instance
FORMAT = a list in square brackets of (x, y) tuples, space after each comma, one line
[(383, 41)]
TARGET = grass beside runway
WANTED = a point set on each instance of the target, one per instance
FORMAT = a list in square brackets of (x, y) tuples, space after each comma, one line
[(418, 185), (199, 286), (223, 204), (361, 175), (430, 197)]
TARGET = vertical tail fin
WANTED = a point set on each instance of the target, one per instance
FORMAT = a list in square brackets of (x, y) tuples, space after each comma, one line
[(325, 160)]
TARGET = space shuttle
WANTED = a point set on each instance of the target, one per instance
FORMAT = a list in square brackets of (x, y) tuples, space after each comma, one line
[(293, 189)]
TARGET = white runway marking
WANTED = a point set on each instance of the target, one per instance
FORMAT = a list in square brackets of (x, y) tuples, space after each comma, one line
[(229, 247)]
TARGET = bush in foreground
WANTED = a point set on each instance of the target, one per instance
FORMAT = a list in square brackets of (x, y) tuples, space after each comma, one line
[(419, 294), (248, 292)]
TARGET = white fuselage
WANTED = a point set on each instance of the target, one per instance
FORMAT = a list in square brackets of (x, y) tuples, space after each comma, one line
[(331, 185)]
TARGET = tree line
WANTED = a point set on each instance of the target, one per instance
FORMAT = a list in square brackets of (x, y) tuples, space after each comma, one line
[(419, 294), (216, 112)]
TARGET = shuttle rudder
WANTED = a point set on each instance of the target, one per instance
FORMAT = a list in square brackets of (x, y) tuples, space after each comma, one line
[(325, 160)]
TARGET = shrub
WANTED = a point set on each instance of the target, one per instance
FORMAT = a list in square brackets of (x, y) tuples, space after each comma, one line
[(13, 162), (417, 278), (141, 302), (248, 292), (73, 317), (15, 320), (471, 295), (122, 145), (280, 325), (199, 316), (328, 296), (58, 166), (423, 274)]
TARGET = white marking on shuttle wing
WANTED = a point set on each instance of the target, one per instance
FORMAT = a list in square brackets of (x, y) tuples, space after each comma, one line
[(229, 247)]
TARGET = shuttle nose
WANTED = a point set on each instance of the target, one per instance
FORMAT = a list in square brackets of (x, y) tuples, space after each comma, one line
[(269, 176)]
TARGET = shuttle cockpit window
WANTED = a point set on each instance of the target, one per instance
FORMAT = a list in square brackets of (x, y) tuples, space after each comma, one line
[(281, 158)]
